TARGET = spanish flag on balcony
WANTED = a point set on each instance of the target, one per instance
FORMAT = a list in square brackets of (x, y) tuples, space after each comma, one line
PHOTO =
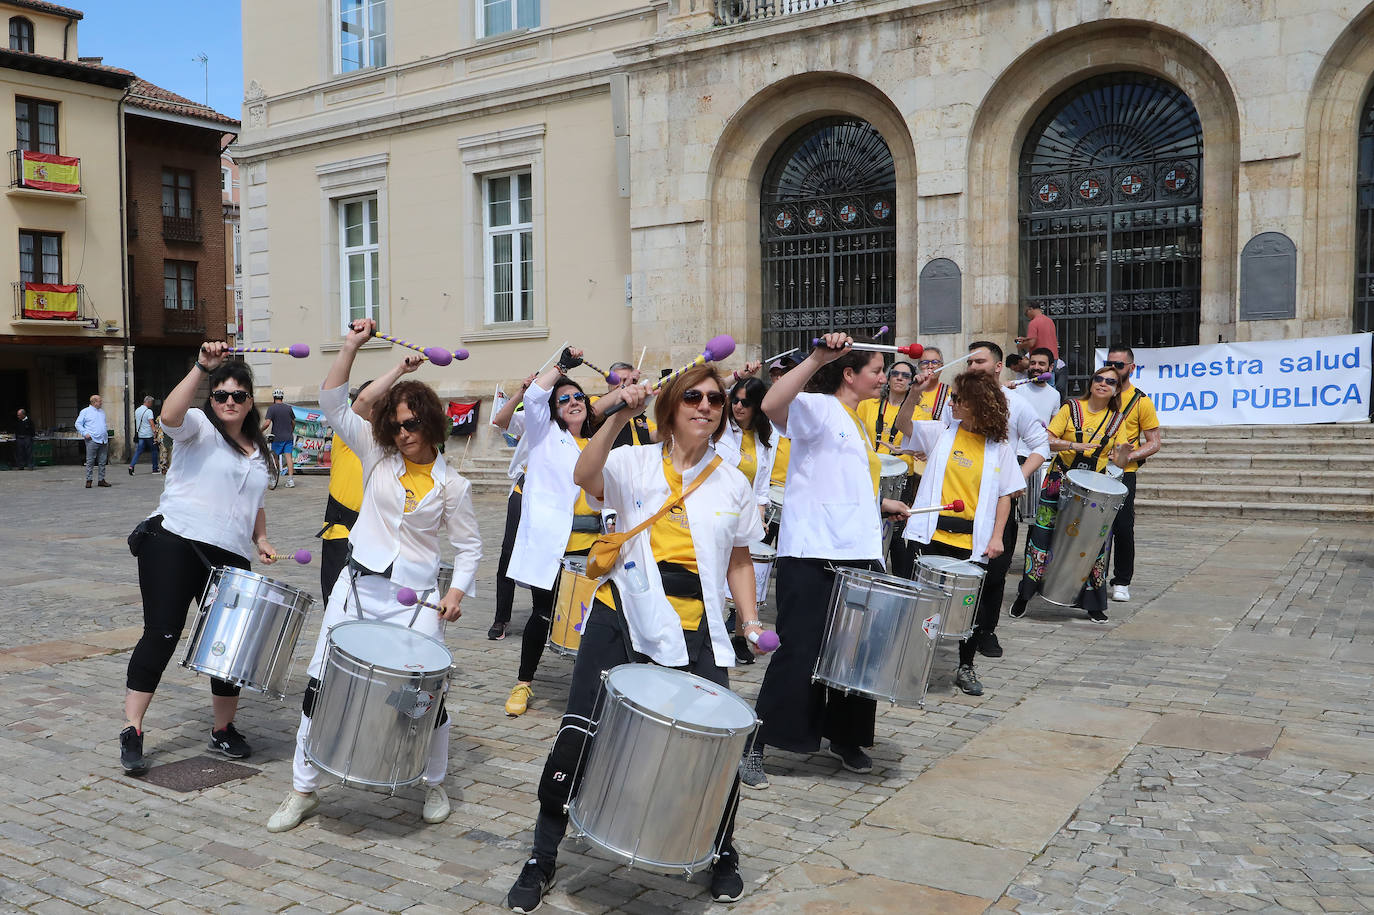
[(45, 172), (50, 300)]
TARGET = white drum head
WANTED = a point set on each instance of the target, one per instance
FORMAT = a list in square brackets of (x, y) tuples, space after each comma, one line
[(775, 492), (762, 552), (950, 564), (891, 466), (681, 696), (1098, 483), (390, 645), (576, 564)]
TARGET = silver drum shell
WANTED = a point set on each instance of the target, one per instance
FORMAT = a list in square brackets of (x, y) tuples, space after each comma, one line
[(962, 582), (1088, 503)]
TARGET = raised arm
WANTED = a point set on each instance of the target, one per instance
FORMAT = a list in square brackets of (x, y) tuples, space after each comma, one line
[(359, 332), (785, 390), (183, 396), (503, 416), (587, 473)]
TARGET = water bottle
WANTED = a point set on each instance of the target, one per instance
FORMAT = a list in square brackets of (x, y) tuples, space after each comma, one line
[(635, 580)]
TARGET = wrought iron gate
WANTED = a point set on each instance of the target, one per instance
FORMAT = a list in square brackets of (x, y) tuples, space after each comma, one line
[(1364, 224), (829, 237), (1111, 222)]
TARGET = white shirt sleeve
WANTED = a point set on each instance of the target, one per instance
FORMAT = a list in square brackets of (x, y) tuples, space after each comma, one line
[(538, 414), (192, 427), (805, 416), (1026, 428), (461, 524), (352, 428), (748, 523), (1010, 481)]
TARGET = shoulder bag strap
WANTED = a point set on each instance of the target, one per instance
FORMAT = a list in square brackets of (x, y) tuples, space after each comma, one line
[(668, 506)]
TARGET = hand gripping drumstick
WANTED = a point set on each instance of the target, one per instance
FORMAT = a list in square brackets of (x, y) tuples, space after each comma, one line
[(914, 350), (1046, 377), (436, 354), (301, 556), (295, 350), (717, 348), (611, 376), (767, 640), (956, 506), (407, 597)]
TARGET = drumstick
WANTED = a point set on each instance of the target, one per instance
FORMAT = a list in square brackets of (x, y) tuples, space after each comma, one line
[(556, 353), (717, 348), (611, 377), (436, 354), (301, 556), (882, 330), (786, 352), (950, 365), (295, 350), (1045, 377), (914, 350), (642, 351), (956, 506)]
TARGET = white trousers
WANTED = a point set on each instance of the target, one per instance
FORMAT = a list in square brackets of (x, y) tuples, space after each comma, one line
[(377, 597)]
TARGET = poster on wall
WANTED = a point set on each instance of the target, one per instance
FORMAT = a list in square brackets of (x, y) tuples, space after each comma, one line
[(1267, 382), (314, 438)]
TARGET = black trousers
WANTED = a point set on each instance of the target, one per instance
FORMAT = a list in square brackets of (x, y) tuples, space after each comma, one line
[(1123, 536), (333, 558), (936, 548), (170, 576), (995, 583), (536, 634), (604, 646), (797, 713), (505, 587), (23, 452)]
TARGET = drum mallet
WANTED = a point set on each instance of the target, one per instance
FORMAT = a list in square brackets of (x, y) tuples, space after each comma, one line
[(612, 377), (716, 349), (407, 597), (914, 350), (767, 640), (301, 556), (1046, 377), (295, 350), (882, 330), (786, 352), (436, 354), (956, 506)]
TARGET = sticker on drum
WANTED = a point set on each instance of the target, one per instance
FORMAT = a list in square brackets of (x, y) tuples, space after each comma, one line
[(218, 649)]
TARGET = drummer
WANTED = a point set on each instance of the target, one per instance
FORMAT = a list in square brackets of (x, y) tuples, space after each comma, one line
[(672, 615), (1085, 433), (830, 518), (970, 460), (510, 419), (748, 444), (878, 414), (410, 500), (210, 514)]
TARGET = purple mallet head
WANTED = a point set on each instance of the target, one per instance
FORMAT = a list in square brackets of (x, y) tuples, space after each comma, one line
[(718, 348), (407, 597), (302, 556), (768, 640), (612, 377), (1046, 377), (438, 355), (882, 330), (460, 354), (298, 350)]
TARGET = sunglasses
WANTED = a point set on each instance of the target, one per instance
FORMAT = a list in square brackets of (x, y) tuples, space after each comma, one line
[(930, 363), (577, 395), (223, 396), (906, 375), (1115, 365), (1106, 379), (953, 398), (739, 402), (714, 398)]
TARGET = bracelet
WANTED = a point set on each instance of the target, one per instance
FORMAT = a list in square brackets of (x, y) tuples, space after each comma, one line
[(753, 623), (201, 367)]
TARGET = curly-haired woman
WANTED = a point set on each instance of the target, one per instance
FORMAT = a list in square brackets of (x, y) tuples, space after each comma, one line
[(410, 499)]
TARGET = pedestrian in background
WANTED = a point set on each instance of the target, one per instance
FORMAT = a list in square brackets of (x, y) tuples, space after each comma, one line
[(23, 440), (95, 429), (282, 419), (143, 432)]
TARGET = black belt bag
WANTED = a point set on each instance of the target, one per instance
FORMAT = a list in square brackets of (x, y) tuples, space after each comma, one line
[(680, 582), (586, 524), (954, 525)]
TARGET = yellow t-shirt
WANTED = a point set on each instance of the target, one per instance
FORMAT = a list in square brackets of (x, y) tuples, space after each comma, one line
[(345, 484), (748, 456), (875, 466), (1094, 425), (1142, 418), (890, 440), (581, 540), (927, 404), (418, 481), (781, 454), (963, 475)]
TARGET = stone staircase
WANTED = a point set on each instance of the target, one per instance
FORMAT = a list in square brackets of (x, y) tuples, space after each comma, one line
[(1321, 472), (488, 474)]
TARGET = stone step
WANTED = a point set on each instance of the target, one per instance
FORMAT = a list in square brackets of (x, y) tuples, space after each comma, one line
[(1295, 460), (1271, 445), (1245, 494), (1274, 511), (1327, 430), (1206, 473)]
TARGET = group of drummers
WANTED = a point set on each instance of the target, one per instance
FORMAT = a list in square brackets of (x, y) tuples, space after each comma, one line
[(647, 533)]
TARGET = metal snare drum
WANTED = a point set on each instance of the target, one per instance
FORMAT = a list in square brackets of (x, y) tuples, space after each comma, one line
[(657, 779), (880, 637), (764, 556), (377, 705), (445, 580), (572, 602), (772, 512), (246, 630), (962, 581), (1029, 502), (1088, 503), (891, 483)]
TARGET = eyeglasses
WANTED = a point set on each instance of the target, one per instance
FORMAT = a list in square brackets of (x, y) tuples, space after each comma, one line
[(953, 397), (223, 396), (576, 395), (693, 397), (739, 402), (1115, 365), (905, 375), (411, 425), (930, 363), (1106, 379)]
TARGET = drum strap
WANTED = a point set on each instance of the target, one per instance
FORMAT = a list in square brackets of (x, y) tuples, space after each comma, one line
[(941, 395), (954, 525)]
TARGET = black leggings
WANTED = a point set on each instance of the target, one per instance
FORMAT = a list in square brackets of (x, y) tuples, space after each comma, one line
[(170, 576), (536, 634), (505, 587)]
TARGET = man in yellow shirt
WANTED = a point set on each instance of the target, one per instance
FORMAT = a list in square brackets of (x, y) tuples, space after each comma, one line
[(1139, 429)]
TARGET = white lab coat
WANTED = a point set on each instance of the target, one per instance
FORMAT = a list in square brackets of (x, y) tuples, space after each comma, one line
[(547, 498), (729, 449)]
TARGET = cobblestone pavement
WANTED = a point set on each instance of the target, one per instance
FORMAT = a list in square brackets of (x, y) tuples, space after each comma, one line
[(1211, 749)]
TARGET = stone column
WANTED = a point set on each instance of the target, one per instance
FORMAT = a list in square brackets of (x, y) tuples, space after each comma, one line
[(115, 383)]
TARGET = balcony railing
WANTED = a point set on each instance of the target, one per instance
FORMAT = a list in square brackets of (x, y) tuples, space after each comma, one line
[(177, 319), (181, 225), (50, 301), (733, 12), (45, 172)]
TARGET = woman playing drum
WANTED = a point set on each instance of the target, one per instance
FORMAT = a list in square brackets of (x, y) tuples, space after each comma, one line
[(830, 517), (410, 499), (210, 514), (1082, 434), (879, 415), (663, 602), (972, 461)]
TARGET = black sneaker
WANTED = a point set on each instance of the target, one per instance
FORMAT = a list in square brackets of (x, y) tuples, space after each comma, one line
[(988, 646), (230, 742), (530, 888), (1018, 608), (131, 751), (742, 653), (854, 759), (1097, 616), (967, 680), (497, 632), (726, 883)]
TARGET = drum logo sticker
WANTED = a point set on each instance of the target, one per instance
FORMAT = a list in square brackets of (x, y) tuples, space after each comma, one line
[(414, 666), (218, 649), (423, 701), (709, 692), (968, 600), (931, 626)]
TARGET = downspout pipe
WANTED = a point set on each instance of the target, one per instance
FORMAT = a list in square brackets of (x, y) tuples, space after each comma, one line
[(124, 275)]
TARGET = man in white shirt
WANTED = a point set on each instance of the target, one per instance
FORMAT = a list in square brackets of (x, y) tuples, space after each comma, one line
[(93, 427), (143, 431), (1042, 396)]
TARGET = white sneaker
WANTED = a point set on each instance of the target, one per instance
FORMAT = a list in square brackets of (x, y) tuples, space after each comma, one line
[(295, 808), (1121, 593), (290, 482), (437, 806)]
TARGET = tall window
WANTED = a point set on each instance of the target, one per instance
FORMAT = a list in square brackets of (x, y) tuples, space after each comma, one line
[(179, 285), (226, 181), (1364, 224), (178, 193), (361, 39), (35, 125), (359, 259), (497, 16), (40, 257), (21, 34), (509, 221)]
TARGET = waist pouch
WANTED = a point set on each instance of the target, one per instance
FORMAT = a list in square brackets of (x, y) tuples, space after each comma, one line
[(954, 525), (680, 582), (586, 524)]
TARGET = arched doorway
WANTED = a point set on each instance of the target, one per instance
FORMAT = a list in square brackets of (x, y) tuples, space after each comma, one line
[(1111, 221), (1364, 223), (828, 225)]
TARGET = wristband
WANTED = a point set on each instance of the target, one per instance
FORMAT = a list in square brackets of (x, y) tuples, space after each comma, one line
[(201, 367)]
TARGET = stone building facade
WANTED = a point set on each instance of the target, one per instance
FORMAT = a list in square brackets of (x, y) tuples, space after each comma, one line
[(1163, 173)]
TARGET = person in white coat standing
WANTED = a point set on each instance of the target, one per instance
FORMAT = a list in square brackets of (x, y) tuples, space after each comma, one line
[(410, 500)]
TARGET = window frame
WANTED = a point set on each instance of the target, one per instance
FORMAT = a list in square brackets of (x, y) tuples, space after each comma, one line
[(177, 174), (517, 229), (482, 31), (369, 36), (33, 117), (24, 23), (38, 235), (372, 283), (182, 267)]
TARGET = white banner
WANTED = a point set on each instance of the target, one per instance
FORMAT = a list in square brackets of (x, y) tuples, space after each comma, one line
[(1313, 380)]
